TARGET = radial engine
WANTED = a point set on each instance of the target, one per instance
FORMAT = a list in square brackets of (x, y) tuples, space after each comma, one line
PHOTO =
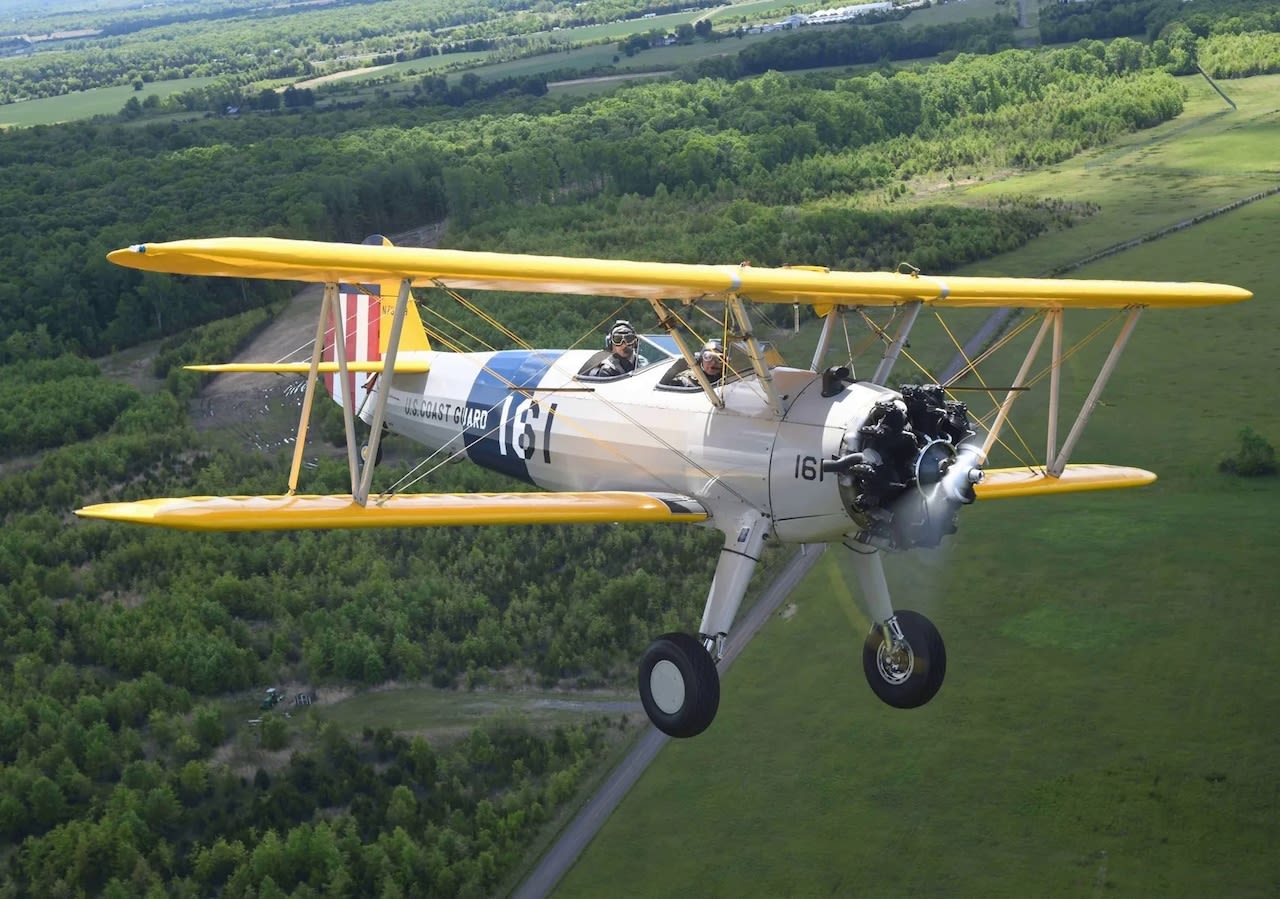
[(905, 469)]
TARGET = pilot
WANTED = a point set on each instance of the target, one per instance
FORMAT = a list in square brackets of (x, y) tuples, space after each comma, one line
[(711, 360), (623, 357)]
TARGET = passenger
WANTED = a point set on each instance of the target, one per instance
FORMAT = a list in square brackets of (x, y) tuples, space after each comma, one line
[(711, 360), (623, 359)]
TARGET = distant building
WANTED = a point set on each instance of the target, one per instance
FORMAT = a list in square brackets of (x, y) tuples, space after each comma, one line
[(846, 13)]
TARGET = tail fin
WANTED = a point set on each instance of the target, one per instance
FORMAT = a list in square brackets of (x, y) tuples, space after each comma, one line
[(367, 311)]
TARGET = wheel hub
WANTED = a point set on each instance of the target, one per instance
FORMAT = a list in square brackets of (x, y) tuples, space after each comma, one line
[(667, 686), (895, 661)]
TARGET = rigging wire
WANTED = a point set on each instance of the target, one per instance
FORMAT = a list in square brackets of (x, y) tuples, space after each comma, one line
[(971, 366), (413, 477)]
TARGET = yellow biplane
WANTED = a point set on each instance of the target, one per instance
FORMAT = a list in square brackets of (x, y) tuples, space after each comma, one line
[(750, 447)]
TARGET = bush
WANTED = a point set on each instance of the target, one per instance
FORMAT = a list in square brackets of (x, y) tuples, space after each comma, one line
[(1256, 458), (275, 733)]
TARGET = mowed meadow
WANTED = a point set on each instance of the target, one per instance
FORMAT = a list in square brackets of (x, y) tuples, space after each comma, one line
[(1108, 724)]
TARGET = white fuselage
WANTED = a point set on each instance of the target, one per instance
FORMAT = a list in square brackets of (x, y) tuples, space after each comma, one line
[(527, 414)]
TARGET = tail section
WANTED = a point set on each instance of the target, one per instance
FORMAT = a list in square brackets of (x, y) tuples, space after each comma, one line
[(367, 312)]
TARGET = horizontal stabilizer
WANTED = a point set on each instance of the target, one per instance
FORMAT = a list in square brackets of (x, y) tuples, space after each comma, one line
[(403, 367), (1001, 483), (287, 513)]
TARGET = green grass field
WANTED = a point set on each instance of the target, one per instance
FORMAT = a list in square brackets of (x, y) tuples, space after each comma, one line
[(1108, 722), (87, 104)]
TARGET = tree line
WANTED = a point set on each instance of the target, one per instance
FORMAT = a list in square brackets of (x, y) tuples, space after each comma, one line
[(811, 48), (211, 38), (1171, 21)]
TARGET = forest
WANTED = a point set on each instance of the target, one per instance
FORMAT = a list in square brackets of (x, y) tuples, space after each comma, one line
[(768, 142), (131, 652)]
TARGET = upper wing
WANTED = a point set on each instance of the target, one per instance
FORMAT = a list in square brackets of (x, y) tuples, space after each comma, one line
[(287, 513), (302, 260)]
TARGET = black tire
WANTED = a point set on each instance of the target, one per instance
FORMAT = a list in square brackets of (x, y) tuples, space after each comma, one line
[(364, 453), (687, 684), (911, 681)]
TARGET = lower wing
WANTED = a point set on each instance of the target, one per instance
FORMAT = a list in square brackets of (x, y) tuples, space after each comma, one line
[(1000, 483), (299, 512)]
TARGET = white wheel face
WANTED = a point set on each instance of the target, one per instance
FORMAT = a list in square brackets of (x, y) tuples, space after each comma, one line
[(666, 685)]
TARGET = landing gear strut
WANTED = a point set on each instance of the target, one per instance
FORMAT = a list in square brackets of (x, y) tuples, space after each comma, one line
[(679, 685), (903, 657)]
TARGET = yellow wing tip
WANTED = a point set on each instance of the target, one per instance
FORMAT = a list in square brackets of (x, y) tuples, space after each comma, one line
[(141, 512)]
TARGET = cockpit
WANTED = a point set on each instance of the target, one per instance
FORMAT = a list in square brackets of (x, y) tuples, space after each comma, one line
[(650, 349), (660, 350)]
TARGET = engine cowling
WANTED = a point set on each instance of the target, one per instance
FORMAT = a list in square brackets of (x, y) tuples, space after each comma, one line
[(905, 470)]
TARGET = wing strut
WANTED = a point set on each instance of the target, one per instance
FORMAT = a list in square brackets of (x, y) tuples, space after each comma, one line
[(1055, 382), (1099, 383), (753, 351), (829, 325), (348, 396), (894, 350), (308, 398), (664, 319), (361, 495)]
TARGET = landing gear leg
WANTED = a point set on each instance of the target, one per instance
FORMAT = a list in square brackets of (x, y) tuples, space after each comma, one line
[(679, 684), (903, 657)]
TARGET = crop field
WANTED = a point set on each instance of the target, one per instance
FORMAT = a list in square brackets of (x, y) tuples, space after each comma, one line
[(959, 11), (724, 17), (86, 104), (411, 68), (588, 58), (611, 31), (1107, 725)]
